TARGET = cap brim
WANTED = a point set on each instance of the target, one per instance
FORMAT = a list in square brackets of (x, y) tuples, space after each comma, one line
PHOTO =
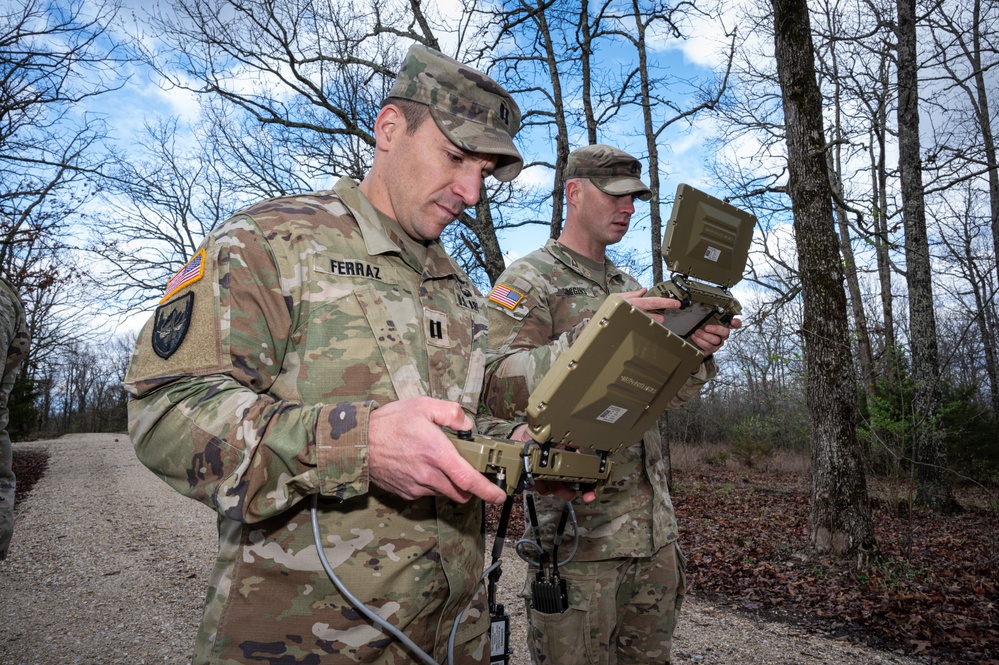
[(622, 185), (481, 138)]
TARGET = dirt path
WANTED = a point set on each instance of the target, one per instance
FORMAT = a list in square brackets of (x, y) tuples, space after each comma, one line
[(109, 565)]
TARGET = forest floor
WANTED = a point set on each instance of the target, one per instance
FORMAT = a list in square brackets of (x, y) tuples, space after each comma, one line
[(930, 591)]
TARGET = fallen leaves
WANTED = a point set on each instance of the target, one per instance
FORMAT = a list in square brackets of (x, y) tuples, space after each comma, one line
[(932, 593)]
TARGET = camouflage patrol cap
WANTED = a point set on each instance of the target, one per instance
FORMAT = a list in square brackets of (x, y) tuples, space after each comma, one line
[(470, 108), (613, 171)]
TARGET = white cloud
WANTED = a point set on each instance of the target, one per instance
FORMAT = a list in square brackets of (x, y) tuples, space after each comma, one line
[(175, 102)]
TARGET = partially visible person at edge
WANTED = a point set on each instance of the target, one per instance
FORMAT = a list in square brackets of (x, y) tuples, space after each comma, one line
[(316, 345), (14, 341), (626, 581)]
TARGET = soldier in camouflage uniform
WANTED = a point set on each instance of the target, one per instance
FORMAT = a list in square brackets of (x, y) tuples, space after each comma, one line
[(15, 340), (626, 581), (313, 349)]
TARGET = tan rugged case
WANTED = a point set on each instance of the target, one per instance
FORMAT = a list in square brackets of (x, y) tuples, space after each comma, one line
[(605, 392)]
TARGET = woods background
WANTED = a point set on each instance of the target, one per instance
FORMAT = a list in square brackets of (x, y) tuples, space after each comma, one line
[(860, 134)]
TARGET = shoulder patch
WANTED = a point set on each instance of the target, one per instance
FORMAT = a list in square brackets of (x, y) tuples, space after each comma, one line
[(170, 325), (506, 296), (189, 274)]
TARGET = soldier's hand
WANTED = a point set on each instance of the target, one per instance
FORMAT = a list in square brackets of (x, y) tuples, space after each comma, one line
[(562, 491), (712, 338), (409, 454), (651, 304)]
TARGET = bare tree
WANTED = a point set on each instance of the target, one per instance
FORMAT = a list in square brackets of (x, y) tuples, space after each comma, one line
[(655, 98), (541, 59), (551, 48), (300, 67), (881, 230), (838, 156), (839, 521), (54, 60), (51, 61), (967, 49), (90, 397), (311, 74), (250, 160), (164, 199), (930, 448), (974, 288), (965, 59)]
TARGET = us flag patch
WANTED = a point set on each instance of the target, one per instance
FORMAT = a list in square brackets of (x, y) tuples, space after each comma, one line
[(506, 296), (189, 274)]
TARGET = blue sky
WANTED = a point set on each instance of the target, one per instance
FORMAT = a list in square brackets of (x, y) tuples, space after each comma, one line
[(682, 149)]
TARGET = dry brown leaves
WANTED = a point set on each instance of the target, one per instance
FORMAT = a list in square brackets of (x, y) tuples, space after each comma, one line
[(930, 590)]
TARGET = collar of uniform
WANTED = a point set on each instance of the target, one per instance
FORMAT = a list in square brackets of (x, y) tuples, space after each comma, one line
[(568, 257), (369, 219), (374, 225)]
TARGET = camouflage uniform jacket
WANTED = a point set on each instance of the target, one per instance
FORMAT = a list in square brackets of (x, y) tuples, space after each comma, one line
[(557, 295), (14, 340), (309, 315)]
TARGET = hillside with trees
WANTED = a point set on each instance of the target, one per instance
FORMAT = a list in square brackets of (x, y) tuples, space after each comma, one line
[(862, 137)]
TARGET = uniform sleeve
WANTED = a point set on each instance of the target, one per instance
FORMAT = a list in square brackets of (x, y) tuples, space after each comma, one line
[(523, 346), (14, 339), (704, 373), (521, 349), (201, 416)]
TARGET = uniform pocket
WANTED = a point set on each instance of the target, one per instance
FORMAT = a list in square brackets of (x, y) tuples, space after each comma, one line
[(560, 638)]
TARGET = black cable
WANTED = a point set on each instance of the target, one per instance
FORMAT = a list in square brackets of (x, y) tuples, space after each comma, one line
[(358, 605), (523, 543), (563, 518)]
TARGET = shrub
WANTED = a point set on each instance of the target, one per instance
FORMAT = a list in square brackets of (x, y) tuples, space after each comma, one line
[(751, 439)]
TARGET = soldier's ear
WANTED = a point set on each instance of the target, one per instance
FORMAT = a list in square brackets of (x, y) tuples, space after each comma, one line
[(573, 191), (389, 124)]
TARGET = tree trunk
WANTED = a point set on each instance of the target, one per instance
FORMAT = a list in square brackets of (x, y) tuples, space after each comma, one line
[(839, 521), (865, 357), (970, 41), (585, 57), (930, 452), (485, 231), (980, 102), (862, 340), (882, 245), (562, 133), (651, 144)]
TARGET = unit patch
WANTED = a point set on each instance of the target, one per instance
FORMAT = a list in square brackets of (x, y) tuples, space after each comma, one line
[(504, 295), (189, 274), (170, 325)]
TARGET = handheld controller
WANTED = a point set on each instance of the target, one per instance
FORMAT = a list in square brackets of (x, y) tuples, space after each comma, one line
[(603, 393), (514, 466), (705, 246), (699, 307)]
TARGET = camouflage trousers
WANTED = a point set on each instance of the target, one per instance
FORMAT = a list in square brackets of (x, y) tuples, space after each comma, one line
[(472, 652), (621, 611), (7, 487)]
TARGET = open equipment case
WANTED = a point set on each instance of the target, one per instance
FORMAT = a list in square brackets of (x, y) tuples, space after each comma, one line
[(603, 393), (705, 247)]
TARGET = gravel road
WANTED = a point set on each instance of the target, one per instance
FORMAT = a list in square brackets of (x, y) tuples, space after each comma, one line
[(109, 565)]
